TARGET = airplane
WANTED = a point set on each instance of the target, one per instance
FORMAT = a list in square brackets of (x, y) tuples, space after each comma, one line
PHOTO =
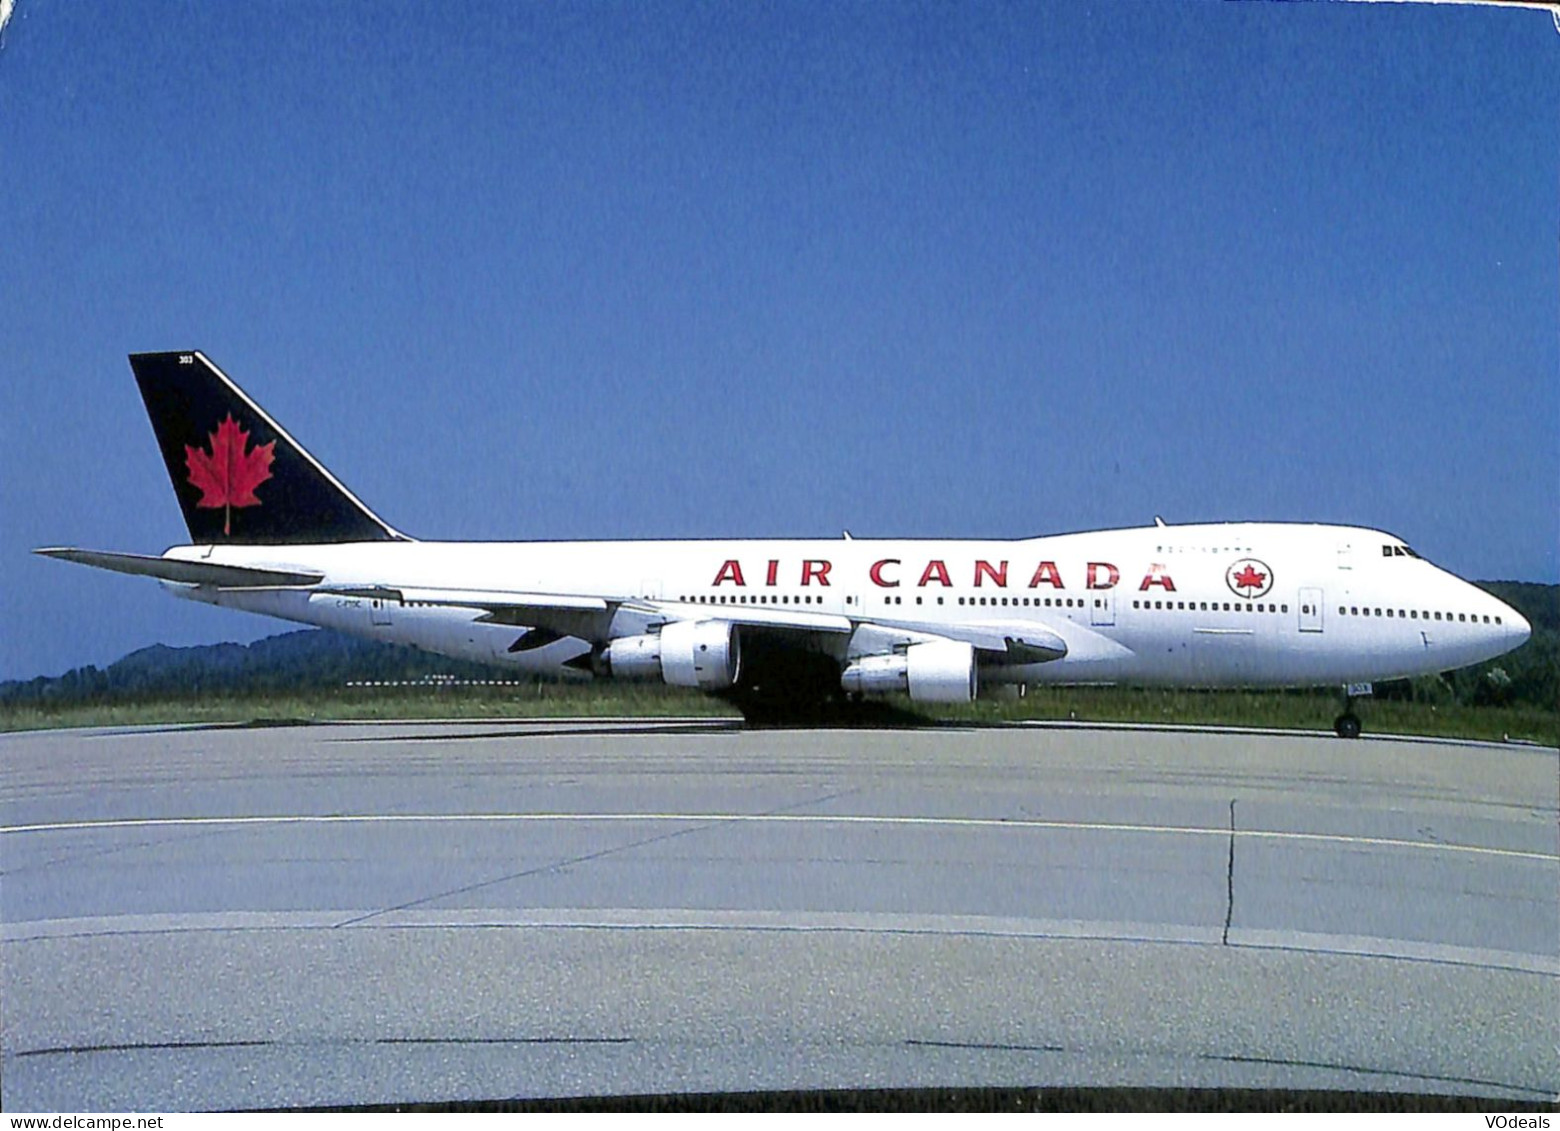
[(786, 628)]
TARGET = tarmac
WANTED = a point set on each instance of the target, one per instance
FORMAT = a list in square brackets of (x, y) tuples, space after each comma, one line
[(211, 918)]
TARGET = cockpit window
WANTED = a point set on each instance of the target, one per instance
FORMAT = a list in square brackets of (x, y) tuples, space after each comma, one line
[(1393, 550)]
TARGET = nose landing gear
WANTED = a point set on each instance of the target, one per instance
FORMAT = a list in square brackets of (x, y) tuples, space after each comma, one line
[(1347, 725)]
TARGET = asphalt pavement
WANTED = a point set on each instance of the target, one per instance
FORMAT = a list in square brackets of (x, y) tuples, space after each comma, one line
[(214, 918)]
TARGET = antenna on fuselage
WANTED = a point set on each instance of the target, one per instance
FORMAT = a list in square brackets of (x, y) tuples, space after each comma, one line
[(1158, 521)]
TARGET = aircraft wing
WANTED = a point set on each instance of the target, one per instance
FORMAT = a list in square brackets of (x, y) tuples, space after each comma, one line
[(795, 620), (550, 616), (1016, 642)]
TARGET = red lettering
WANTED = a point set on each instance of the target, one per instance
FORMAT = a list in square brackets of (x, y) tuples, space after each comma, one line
[(818, 569), (877, 573), (984, 569), (1093, 581), (1046, 572), (773, 566), (935, 569), (731, 571), (1157, 575)]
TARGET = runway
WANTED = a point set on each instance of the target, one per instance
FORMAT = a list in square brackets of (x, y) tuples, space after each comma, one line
[(212, 918)]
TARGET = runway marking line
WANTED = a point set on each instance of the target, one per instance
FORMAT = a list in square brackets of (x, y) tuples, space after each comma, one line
[(771, 818)]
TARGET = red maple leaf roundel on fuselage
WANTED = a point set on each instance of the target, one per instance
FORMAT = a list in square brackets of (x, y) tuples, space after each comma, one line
[(228, 474), (1250, 578)]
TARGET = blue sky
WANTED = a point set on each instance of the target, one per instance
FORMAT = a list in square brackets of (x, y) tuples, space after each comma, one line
[(696, 270)]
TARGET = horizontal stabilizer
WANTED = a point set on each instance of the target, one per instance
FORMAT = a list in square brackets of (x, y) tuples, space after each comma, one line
[(189, 573)]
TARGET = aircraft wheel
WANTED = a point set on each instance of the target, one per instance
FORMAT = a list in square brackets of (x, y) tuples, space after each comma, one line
[(1347, 725)]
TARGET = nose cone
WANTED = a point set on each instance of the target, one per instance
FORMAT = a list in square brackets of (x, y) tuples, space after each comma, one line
[(1517, 628)]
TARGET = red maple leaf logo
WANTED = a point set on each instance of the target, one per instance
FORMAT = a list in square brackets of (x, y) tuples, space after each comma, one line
[(228, 475), (1250, 578)]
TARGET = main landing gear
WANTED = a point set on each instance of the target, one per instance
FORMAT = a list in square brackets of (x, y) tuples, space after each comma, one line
[(1347, 725)]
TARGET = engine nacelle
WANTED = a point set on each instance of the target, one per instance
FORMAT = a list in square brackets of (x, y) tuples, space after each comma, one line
[(938, 671), (703, 654), (632, 657)]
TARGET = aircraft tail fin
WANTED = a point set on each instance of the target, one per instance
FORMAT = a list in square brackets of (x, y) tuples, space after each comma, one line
[(240, 478)]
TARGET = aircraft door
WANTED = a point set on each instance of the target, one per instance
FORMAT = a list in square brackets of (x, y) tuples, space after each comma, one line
[(1310, 610), (1102, 608), (379, 612)]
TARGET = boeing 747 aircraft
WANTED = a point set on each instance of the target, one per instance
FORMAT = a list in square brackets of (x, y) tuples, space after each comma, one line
[(783, 626)]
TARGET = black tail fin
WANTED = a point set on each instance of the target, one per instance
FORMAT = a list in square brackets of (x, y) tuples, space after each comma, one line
[(239, 476)]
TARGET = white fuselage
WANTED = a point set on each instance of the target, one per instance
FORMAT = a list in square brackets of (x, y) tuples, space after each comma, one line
[(1249, 604)]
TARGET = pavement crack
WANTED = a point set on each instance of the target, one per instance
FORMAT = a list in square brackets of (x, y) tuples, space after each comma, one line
[(1229, 879), (539, 870), (983, 1046), (584, 858)]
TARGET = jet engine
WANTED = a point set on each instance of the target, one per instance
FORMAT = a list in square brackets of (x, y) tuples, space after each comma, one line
[(703, 654), (938, 671)]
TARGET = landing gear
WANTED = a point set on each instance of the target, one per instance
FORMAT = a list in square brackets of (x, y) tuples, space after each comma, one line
[(781, 688), (1347, 725)]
